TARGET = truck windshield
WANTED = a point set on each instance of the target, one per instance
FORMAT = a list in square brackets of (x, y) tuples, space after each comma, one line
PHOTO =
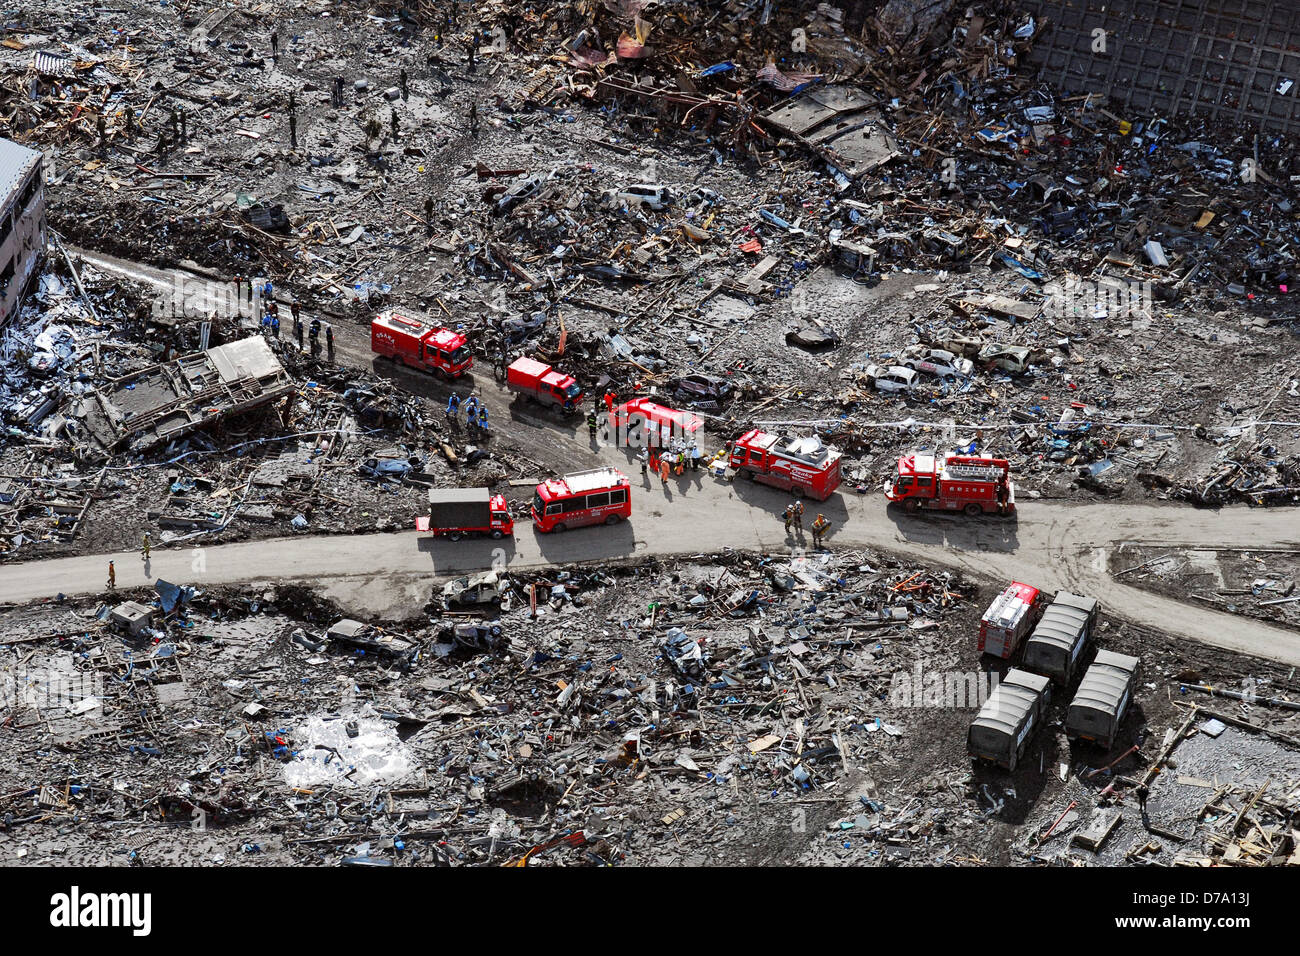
[(539, 505), (573, 391), (459, 355)]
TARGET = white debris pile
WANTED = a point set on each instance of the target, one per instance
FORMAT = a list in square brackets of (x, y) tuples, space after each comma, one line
[(347, 752)]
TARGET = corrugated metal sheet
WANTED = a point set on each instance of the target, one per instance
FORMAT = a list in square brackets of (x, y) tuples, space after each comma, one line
[(52, 64)]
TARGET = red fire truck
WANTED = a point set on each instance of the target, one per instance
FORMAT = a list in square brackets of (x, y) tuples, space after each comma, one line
[(599, 496), (642, 422), (802, 465), (541, 383), (1009, 618), (420, 344), (953, 483)]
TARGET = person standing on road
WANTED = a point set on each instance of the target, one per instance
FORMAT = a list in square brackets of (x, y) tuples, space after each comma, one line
[(275, 325), (695, 457), (145, 545), (592, 424), (112, 577), (329, 341), (643, 456), (297, 325), (819, 528), (483, 421), (664, 470), (798, 515), (788, 515), (453, 411)]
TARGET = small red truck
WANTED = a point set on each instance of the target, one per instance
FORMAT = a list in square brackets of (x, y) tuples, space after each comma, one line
[(457, 512), (1009, 618), (953, 483), (420, 344), (643, 423), (801, 465), (542, 383)]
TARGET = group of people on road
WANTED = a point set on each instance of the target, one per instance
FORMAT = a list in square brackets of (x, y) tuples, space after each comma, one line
[(793, 517), (269, 308), (476, 415), (673, 460)]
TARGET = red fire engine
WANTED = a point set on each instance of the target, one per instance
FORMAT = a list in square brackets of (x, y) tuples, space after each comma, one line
[(642, 422), (953, 483), (1009, 618), (420, 344), (802, 465), (601, 495)]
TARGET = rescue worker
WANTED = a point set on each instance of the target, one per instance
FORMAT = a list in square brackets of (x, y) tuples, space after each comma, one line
[(643, 456), (788, 515), (609, 401), (329, 341), (275, 44), (592, 425), (453, 410), (696, 454), (653, 457), (483, 420), (112, 577), (820, 526), (275, 325), (295, 309), (314, 335), (471, 410), (297, 328), (798, 515), (145, 545), (663, 470), (681, 464)]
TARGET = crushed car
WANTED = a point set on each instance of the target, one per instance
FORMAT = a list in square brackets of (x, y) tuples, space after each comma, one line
[(891, 380), (937, 362)]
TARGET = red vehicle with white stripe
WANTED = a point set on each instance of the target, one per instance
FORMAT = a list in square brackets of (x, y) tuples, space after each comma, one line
[(643, 423), (420, 344), (599, 496), (802, 465), (1009, 618), (953, 483)]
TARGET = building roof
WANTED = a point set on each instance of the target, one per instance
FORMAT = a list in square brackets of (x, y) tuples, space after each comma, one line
[(16, 161)]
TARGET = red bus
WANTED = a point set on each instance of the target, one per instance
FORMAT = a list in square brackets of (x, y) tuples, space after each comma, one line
[(599, 496)]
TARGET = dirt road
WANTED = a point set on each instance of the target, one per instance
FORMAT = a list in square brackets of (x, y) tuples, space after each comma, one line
[(1052, 545)]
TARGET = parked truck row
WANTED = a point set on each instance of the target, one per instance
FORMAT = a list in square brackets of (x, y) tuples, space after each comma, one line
[(1056, 638)]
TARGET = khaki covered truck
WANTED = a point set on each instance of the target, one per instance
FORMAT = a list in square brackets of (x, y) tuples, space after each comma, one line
[(1103, 698), (1009, 718), (1057, 646)]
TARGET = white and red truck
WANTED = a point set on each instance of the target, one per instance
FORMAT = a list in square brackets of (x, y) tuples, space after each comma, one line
[(1009, 618), (952, 482), (542, 383), (458, 512), (804, 466), (420, 343)]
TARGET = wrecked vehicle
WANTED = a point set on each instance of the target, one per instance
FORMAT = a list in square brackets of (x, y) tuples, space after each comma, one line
[(389, 469), (522, 189), (645, 194), (366, 637), (891, 380), (684, 654), (490, 587), (691, 389), (1010, 358), (937, 362)]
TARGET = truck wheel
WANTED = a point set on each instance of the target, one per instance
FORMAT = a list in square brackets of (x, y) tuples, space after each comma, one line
[(497, 534), (910, 505), (454, 535), (746, 474), (559, 529), (973, 509), (613, 519), (1011, 764)]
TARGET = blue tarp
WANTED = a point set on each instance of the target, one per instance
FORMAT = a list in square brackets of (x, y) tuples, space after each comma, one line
[(169, 595)]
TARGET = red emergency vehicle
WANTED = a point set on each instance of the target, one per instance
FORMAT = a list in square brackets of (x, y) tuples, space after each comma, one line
[(420, 344), (599, 496), (643, 423), (540, 382), (802, 465), (953, 483), (1009, 618)]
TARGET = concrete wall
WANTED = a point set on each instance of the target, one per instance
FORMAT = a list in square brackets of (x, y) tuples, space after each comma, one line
[(24, 231)]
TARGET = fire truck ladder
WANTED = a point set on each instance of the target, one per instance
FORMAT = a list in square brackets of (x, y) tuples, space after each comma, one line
[(974, 472)]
